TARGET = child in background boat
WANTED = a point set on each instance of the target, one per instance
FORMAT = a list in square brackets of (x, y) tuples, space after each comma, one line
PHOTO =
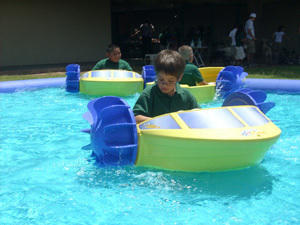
[(166, 95), (113, 60), (191, 75)]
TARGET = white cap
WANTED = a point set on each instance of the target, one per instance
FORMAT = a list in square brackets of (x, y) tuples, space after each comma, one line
[(253, 15)]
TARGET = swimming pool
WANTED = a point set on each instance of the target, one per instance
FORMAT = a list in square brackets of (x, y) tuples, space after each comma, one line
[(47, 178)]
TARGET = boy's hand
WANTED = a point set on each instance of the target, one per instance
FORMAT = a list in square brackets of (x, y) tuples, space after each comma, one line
[(141, 118)]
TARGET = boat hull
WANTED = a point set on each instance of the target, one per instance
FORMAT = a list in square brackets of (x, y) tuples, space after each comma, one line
[(211, 139), (203, 94), (111, 82), (106, 88), (196, 155)]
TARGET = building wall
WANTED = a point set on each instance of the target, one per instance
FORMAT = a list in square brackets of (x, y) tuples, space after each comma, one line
[(53, 32)]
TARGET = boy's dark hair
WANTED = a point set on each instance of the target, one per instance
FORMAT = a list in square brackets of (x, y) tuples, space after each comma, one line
[(169, 62), (110, 48)]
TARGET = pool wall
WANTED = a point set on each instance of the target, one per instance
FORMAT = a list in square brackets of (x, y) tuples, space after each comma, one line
[(273, 85), (259, 84), (21, 85)]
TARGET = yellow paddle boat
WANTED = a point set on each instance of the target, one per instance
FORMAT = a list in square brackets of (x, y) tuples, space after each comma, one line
[(214, 139), (111, 82), (205, 93), (210, 74)]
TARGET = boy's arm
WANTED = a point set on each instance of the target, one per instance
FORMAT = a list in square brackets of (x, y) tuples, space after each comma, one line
[(98, 66), (202, 83), (129, 67), (125, 65), (193, 102), (198, 77), (141, 108)]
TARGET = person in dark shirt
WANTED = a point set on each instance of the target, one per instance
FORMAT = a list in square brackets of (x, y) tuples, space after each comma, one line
[(166, 95), (191, 75), (113, 60), (147, 30)]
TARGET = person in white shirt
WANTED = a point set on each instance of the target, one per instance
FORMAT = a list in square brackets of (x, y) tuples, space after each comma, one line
[(232, 34), (250, 36), (237, 38)]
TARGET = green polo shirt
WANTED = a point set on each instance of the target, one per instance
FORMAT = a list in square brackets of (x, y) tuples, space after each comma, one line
[(191, 75), (108, 64), (152, 102)]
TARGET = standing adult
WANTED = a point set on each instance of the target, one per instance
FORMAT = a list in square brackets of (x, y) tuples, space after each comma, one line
[(232, 35), (278, 38), (147, 30), (250, 38), (237, 39)]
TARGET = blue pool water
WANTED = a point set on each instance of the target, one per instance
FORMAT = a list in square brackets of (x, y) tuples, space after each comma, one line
[(47, 178)]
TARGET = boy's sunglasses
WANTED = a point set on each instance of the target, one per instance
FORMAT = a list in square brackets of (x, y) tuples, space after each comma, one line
[(163, 82)]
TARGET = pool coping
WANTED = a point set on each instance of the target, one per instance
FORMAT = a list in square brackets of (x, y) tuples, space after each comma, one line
[(284, 85)]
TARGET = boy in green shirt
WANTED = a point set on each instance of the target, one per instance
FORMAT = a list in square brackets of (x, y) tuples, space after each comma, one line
[(113, 60), (166, 95), (191, 75)]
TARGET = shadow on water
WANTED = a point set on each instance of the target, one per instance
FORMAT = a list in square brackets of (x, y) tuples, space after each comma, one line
[(91, 97), (246, 183), (240, 184)]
